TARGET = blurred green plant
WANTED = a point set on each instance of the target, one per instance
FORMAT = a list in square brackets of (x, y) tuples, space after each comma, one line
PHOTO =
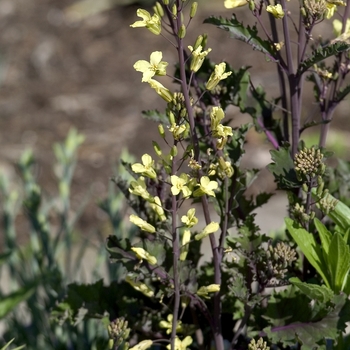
[(38, 272), (9, 343)]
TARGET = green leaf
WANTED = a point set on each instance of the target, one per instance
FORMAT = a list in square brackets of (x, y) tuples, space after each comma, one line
[(9, 343), (322, 53), (341, 213), (283, 168), (246, 34), (339, 262), (307, 334), (307, 331), (10, 301), (87, 301), (325, 235), (156, 116), (342, 93), (310, 248), (322, 294), (4, 257)]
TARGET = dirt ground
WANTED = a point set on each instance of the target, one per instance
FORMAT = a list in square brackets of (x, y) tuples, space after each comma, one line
[(56, 74)]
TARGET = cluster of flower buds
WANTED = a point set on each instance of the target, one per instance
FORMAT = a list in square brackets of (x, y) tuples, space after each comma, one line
[(309, 163), (313, 11), (274, 262), (327, 204), (300, 213), (258, 345), (118, 332), (280, 258)]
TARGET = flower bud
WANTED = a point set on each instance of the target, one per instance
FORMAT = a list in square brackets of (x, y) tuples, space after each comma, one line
[(156, 148), (251, 5), (198, 42), (173, 151), (166, 2), (182, 32), (158, 9), (161, 131), (305, 187), (320, 188), (171, 118), (205, 40), (193, 9), (174, 10)]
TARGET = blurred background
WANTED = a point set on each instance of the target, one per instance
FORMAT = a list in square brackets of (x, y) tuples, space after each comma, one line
[(67, 64)]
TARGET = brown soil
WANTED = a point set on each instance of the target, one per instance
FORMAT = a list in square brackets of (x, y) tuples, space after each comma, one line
[(56, 74)]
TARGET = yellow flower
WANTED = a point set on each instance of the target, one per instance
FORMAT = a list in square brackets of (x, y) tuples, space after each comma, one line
[(157, 207), (142, 224), (197, 57), (139, 286), (206, 187), (216, 115), (218, 130), (330, 9), (223, 131), (190, 220), (209, 229), (217, 75), (186, 237), (146, 168), (143, 255), (177, 130), (145, 344), (161, 90), (231, 4), (138, 188), (225, 168), (179, 185), (169, 324), (276, 11), (279, 45), (338, 26), (153, 24), (204, 291), (181, 345), (155, 66)]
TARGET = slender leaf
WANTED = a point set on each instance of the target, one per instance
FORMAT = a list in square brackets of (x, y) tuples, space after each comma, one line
[(9, 343), (322, 53), (339, 261), (10, 301), (310, 248), (341, 94), (325, 235), (241, 32), (4, 257)]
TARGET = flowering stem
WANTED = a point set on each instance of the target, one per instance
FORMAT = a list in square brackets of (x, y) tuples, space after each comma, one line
[(219, 345), (281, 80), (176, 251), (327, 115), (293, 84), (217, 257)]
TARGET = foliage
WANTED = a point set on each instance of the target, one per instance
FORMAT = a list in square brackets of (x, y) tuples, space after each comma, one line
[(251, 290), (39, 270)]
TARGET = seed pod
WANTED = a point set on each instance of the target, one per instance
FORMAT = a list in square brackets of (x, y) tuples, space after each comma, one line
[(182, 31), (193, 9)]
